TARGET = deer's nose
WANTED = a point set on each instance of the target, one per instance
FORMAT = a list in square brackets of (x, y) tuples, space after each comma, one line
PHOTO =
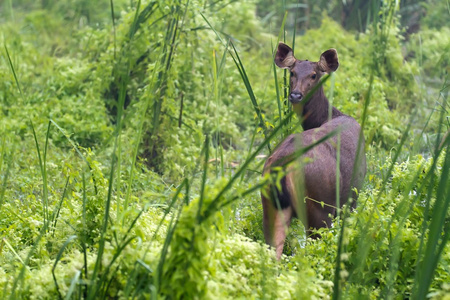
[(295, 97)]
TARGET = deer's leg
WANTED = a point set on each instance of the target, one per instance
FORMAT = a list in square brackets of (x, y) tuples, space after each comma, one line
[(275, 224)]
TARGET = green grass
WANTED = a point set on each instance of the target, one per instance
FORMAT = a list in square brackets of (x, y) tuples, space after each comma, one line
[(134, 170)]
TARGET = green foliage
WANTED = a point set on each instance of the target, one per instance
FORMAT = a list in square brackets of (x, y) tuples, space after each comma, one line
[(430, 48), (436, 11), (108, 183)]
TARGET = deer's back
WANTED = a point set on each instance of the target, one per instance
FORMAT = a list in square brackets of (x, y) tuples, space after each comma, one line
[(320, 170)]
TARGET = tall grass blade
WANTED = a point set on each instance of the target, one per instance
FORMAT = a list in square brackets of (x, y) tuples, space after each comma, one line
[(45, 170), (141, 17), (249, 152), (169, 48), (274, 51), (13, 70), (6, 172), (95, 284), (42, 165), (241, 69), (437, 236), (170, 232), (58, 258), (363, 246), (83, 236), (55, 214), (431, 173), (204, 178), (5, 241), (113, 20), (338, 174), (73, 285)]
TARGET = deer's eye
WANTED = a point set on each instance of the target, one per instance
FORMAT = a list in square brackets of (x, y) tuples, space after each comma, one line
[(292, 74), (313, 76)]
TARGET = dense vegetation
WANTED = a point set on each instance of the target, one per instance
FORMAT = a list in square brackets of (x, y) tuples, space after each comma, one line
[(133, 134)]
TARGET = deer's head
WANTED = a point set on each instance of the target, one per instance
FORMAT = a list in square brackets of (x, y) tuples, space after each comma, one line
[(304, 74)]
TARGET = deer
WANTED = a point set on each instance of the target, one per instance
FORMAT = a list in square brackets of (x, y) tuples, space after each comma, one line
[(308, 190)]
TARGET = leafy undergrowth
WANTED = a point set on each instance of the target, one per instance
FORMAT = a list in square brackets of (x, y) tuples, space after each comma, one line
[(208, 259), (131, 153)]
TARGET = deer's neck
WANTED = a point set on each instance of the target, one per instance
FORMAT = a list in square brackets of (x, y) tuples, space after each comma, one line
[(315, 112)]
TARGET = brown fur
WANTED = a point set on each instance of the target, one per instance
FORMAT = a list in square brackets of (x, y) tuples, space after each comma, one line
[(317, 180)]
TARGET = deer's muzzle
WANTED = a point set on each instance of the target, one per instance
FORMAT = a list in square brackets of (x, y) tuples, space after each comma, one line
[(295, 97)]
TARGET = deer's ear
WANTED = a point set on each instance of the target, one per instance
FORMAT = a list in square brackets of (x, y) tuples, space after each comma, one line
[(329, 61), (284, 57)]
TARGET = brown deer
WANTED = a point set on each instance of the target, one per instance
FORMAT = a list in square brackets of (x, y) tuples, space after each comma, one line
[(305, 186)]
